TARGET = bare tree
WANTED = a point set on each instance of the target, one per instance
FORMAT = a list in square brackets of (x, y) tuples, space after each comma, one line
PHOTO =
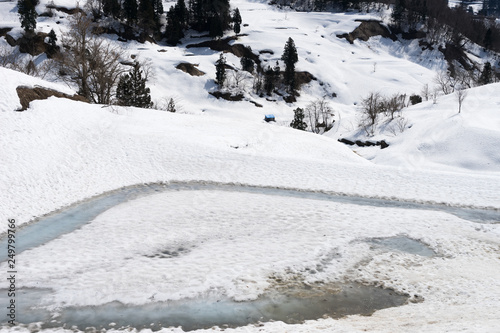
[(239, 80), (394, 104), (461, 94), (426, 92), (445, 82), (320, 116), (371, 107), (88, 61)]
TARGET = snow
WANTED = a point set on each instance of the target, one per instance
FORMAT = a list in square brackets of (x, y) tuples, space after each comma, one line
[(59, 152)]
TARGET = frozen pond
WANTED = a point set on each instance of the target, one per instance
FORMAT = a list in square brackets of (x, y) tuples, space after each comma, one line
[(75, 216), (290, 302), (291, 305)]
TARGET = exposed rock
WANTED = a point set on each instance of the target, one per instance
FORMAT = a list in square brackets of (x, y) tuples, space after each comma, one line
[(222, 45), (28, 94), (256, 104), (347, 142), (190, 69), (303, 78), (11, 40), (367, 143), (367, 29), (4, 31), (227, 96)]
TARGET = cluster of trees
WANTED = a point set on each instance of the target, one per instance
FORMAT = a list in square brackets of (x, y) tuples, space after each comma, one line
[(374, 106), (213, 16), (268, 80), (94, 65), (451, 23), (318, 116)]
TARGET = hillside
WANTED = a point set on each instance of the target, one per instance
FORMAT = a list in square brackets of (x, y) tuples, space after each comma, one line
[(248, 204)]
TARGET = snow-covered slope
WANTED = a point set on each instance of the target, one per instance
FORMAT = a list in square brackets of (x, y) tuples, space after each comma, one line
[(59, 152)]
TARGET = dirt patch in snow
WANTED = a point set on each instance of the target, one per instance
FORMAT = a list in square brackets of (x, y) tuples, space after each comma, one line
[(367, 29), (29, 94), (191, 69)]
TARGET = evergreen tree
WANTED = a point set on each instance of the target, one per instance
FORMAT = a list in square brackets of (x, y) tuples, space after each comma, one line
[(271, 78), (174, 29), (177, 21), (157, 9), (290, 57), (111, 7), (220, 71), (27, 14), (52, 41), (210, 15), (216, 28), (487, 41), (247, 64), (146, 15), (132, 90), (486, 75), (182, 13), (397, 15), (298, 120), (236, 21), (171, 105), (130, 11)]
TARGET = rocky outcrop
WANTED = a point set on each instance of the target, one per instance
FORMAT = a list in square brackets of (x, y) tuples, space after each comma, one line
[(367, 29), (191, 69), (29, 94)]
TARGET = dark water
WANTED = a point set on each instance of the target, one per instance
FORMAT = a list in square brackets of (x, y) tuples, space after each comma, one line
[(288, 304)]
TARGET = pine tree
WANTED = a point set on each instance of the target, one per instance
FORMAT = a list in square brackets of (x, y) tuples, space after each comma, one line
[(130, 11), (216, 28), (220, 71), (132, 90), (397, 15), (298, 120), (171, 105), (290, 57), (486, 75), (146, 14), (236, 21), (52, 39), (158, 9), (174, 30), (52, 42), (177, 21), (247, 64), (271, 78), (111, 7), (27, 14)]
